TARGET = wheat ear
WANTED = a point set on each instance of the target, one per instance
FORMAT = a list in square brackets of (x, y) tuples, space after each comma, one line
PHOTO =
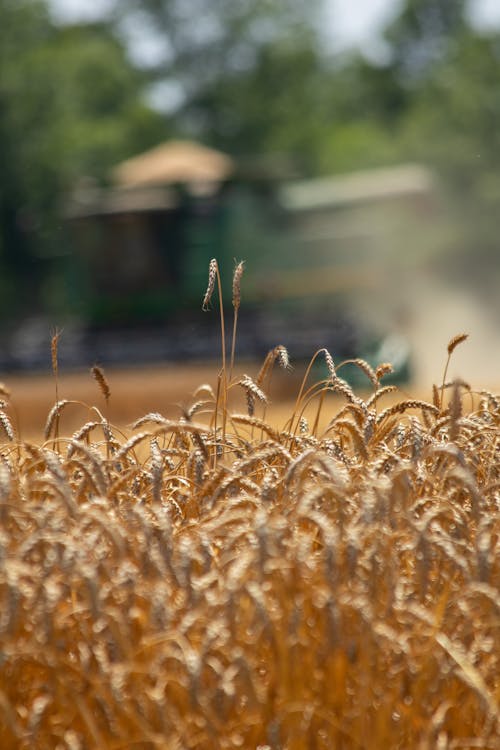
[(238, 273), (54, 347), (101, 380), (452, 345)]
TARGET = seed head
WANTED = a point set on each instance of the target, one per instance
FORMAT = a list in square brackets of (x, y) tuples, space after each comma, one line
[(456, 340), (100, 378), (238, 273), (212, 273)]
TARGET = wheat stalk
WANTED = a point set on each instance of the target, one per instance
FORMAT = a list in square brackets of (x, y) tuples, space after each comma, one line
[(452, 345), (237, 274)]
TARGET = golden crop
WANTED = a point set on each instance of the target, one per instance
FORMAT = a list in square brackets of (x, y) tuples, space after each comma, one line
[(217, 581)]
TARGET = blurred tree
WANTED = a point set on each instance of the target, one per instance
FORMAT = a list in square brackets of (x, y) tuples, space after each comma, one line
[(366, 103), (247, 76), (276, 106), (103, 116), (447, 76), (421, 35), (250, 78), (454, 124), (70, 104), (24, 26)]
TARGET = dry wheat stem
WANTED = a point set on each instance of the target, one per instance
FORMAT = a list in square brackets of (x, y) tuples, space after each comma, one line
[(331, 369), (102, 382), (237, 274), (452, 345)]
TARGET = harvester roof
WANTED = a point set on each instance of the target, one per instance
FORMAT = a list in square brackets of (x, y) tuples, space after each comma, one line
[(172, 162)]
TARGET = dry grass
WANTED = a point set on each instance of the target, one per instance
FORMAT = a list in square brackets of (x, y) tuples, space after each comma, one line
[(216, 581)]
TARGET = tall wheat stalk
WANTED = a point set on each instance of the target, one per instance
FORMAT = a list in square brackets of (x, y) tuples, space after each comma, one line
[(214, 276)]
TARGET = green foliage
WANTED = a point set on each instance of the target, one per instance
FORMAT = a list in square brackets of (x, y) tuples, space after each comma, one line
[(452, 124), (251, 75), (251, 79), (272, 107), (423, 33), (71, 105)]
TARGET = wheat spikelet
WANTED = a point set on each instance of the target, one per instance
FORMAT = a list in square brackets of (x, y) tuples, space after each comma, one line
[(101, 380), (263, 455), (238, 273), (354, 409), (402, 406), (330, 364), (199, 442), (83, 433), (303, 426), (333, 449), (154, 417), (7, 427), (183, 429), (369, 426), (301, 462), (455, 341), (383, 431), (255, 422), (493, 400), (356, 436), (54, 464), (96, 463), (385, 368), (341, 386), (196, 466), (379, 393), (282, 356), (196, 407), (53, 414), (366, 368), (212, 274), (5, 481), (279, 353), (252, 392), (205, 388), (452, 345), (250, 403), (54, 346)]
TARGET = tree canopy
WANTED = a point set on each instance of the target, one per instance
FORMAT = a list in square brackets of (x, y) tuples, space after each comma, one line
[(250, 78)]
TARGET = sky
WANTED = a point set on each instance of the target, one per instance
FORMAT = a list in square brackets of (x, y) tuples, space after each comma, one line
[(350, 22)]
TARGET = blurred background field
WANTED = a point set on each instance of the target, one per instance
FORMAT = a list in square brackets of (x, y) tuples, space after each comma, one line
[(139, 391), (134, 393), (347, 152)]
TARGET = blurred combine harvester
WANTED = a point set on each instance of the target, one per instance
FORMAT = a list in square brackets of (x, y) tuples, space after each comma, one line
[(313, 247)]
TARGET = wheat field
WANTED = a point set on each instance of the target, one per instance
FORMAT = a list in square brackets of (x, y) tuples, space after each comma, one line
[(218, 580)]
